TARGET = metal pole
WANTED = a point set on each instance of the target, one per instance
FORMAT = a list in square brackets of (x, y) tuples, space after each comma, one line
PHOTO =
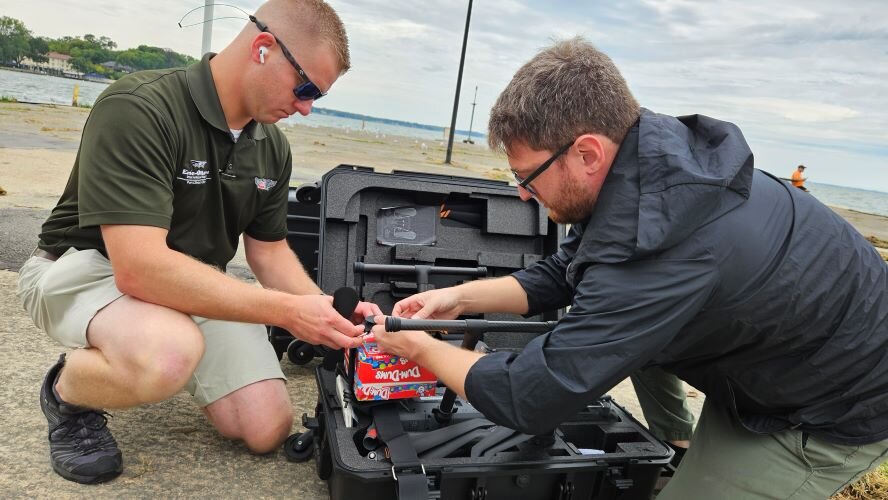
[(207, 27), (462, 60), (472, 119)]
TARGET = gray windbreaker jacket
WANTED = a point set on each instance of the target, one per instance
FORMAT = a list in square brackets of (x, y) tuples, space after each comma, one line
[(747, 288)]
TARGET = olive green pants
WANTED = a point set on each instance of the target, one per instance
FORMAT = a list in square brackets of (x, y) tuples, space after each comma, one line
[(663, 401), (728, 461)]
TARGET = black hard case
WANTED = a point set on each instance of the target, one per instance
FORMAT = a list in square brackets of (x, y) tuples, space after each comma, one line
[(628, 469), (509, 235)]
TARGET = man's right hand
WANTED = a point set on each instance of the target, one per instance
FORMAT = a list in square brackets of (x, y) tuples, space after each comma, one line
[(434, 304), (312, 318)]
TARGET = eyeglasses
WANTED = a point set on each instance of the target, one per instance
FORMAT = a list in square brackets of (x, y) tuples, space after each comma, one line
[(525, 182), (307, 90)]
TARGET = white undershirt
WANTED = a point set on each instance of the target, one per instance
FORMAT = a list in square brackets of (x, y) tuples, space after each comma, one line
[(235, 133)]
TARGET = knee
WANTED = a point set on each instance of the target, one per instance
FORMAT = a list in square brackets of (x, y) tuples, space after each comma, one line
[(269, 433), (167, 367)]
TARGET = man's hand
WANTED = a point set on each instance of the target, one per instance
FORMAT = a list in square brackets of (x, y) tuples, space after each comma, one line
[(406, 343), (314, 320), (363, 310), (434, 304), (449, 363)]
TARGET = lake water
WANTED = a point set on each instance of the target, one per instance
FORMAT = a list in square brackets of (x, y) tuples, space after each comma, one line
[(862, 200), (28, 87), (374, 129), (45, 89)]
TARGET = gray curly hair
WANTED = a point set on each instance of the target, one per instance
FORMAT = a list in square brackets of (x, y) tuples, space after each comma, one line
[(567, 90)]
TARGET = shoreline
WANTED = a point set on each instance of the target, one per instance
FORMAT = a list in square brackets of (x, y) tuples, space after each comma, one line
[(39, 142), (857, 211), (106, 81)]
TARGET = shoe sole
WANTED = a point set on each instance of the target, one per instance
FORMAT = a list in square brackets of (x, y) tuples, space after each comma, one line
[(77, 478)]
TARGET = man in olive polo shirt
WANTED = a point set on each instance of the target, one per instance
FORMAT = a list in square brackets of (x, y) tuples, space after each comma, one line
[(173, 167)]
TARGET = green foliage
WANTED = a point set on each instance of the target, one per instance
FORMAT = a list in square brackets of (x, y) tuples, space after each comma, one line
[(89, 54), (37, 49), (85, 52), (14, 40), (146, 57)]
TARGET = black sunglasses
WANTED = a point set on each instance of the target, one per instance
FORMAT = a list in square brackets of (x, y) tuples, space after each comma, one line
[(525, 182), (307, 90)]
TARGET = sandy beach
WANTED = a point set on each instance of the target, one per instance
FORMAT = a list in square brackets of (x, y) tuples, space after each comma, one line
[(169, 448)]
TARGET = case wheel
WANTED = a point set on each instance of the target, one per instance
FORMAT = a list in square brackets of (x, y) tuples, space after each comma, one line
[(299, 447), (300, 353), (309, 194)]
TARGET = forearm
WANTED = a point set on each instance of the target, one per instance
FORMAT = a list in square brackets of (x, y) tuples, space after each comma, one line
[(177, 281), (499, 295), (281, 270), (449, 363)]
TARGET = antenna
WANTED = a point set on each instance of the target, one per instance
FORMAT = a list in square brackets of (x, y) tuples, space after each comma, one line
[(208, 21), (468, 139)]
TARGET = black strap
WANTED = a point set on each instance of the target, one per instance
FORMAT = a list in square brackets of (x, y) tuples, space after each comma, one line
[(425, 441), (449, 447), (515, 440), (496, 436), (407, 470)]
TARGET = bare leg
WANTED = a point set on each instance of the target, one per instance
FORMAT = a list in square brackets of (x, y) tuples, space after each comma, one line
[(260, 414), (141, 353)]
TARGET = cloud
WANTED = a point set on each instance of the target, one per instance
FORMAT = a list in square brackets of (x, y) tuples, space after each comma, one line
[(805, 73), (796, 110)]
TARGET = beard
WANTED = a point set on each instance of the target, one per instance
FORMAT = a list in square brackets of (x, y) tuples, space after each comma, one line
[(574, 205)]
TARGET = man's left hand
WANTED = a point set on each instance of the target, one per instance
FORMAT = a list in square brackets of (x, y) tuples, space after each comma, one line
[(363, 310), (449, 363), (406, 343)]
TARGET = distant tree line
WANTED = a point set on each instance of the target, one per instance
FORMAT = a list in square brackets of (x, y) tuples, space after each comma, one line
[(89, 54), (16, 42)]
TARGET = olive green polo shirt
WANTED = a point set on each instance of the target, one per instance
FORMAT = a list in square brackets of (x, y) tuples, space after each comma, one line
[(156, 151)]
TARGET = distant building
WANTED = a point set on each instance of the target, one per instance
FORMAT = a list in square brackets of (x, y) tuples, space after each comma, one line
[(57, 64)]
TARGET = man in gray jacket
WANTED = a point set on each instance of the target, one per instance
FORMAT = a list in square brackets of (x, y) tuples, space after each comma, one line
[(681, 257)]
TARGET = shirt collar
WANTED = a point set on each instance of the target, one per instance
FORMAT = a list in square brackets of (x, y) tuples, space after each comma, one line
[(203, 92)]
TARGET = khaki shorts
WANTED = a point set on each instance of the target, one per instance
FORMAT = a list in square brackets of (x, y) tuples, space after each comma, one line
[(63, 296)]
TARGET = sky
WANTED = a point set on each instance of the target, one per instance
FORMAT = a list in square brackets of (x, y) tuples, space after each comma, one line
[(804, 79)]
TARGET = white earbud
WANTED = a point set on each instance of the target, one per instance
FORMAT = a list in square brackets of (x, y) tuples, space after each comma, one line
[(262, 52)]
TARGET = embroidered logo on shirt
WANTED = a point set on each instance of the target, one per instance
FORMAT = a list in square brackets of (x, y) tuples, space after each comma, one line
[(197, 174), (264, 184)]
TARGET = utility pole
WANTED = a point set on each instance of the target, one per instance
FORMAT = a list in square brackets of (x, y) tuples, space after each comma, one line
[(472, 119), (207, 27), (462, 60)]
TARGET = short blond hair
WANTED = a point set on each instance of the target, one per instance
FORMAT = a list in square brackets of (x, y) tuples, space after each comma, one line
[(307, 20)]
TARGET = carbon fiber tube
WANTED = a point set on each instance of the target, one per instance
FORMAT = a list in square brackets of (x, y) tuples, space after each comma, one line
[(393, 324)]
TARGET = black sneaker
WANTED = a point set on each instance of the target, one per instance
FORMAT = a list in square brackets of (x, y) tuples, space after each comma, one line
[(81, 448)]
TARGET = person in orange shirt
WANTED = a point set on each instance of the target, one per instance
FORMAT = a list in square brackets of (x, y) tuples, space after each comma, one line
[(798, 178)]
